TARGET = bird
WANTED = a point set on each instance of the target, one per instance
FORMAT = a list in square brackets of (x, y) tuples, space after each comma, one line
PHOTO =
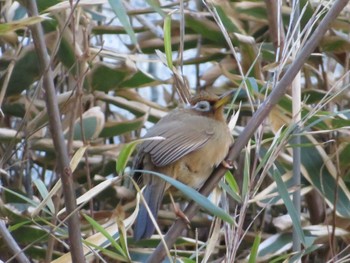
[(196, 139)]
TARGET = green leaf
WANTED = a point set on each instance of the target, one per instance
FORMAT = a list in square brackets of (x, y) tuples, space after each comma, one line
[(102, 230), (252, 11), (90, 125), (229, 191), (324, 177), (25, 72), (127, 150), (206, 28), (155, 5), (255, 247), (124, 156), (167, 41), (231, 24), (114, 128), (105, 78), (231, 181), (192, 194), (44, 4), (20, 196), (29, 234), (335, 44), (138, 80), (282, 189), (231, 187), (20, 24), (66, 55), (278, 244), (44, 193), (121, 13)]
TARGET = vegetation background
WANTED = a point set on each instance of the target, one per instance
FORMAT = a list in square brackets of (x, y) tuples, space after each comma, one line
[(118, 67)]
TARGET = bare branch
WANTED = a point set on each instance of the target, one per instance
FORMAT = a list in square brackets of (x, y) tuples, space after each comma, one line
[(57, 136)]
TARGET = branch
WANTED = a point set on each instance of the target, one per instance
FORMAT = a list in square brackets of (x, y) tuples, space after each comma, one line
[(11, 243), (256, 120), (275, 26), (57, 137)]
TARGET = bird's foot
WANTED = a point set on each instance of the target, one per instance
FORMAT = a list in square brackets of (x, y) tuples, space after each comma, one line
[(178, 212), (227, 164)]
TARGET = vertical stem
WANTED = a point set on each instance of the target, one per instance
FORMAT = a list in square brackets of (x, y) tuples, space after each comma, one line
[(57, 136), (296, 121)]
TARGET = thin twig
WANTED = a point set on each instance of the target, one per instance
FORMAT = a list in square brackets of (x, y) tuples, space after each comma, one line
[(296, 109), (275, 26), (57, 136)]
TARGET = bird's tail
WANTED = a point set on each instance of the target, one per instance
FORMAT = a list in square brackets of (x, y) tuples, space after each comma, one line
[(153, 195)]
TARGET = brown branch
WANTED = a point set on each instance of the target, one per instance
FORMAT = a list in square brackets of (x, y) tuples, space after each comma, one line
[(256, 120), (275, 26), (57, 136)]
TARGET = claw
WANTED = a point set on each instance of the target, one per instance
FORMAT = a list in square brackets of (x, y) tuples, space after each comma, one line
[(227, 164), (178, 212)]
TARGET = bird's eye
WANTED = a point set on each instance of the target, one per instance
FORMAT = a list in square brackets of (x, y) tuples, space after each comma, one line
[(202, 106)]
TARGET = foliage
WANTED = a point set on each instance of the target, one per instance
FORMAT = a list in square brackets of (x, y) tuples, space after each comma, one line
[(117, 66)]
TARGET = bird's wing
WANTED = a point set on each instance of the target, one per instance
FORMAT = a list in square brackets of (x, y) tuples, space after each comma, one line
[(181, 138)]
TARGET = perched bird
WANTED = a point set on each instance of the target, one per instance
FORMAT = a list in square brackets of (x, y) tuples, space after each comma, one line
[(197, 139)]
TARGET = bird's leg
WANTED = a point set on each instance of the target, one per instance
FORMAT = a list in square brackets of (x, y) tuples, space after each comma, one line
[(227, 164), (178, 212)]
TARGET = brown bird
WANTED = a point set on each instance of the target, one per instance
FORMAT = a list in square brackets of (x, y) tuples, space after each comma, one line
[(197, 140)]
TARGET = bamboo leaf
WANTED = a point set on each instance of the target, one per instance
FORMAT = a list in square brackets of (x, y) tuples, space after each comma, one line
[(254, 252), (167, 41), (282, 189), (119, 10), (192, 194), (126, 152), (44, 193)]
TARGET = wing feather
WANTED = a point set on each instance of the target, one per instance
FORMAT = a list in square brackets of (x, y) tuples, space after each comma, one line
[(181, 138)]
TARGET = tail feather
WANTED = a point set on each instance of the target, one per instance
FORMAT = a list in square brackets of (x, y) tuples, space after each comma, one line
[(153, 195)]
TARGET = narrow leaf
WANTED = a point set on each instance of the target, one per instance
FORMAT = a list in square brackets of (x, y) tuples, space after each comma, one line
[(121, 13), (105, 233), (255, 247), (44, 193), (127, 150), (167, 41), (191, 193), (282, 189), (155, 5)]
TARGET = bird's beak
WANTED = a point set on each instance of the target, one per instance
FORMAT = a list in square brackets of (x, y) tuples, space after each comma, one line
[(224, 99)]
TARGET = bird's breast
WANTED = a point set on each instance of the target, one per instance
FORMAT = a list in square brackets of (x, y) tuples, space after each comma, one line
[(194, 168)]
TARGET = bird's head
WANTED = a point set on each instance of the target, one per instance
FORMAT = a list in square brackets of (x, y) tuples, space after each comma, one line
[(210, 105)]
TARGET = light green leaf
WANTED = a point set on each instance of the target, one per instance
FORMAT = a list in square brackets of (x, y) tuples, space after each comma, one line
[(167, 41), (120, 11), (282, 189), (254, 250), (231, 186), (44, 193), (155, 5), (105, 233), (20, 24), (191, 193), (126, 152)]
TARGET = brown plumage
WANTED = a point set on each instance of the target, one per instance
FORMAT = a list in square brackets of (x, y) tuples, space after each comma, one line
[(197, 140)]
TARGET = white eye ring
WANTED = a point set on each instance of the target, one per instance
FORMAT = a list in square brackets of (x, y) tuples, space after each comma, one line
[(202, 106)]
